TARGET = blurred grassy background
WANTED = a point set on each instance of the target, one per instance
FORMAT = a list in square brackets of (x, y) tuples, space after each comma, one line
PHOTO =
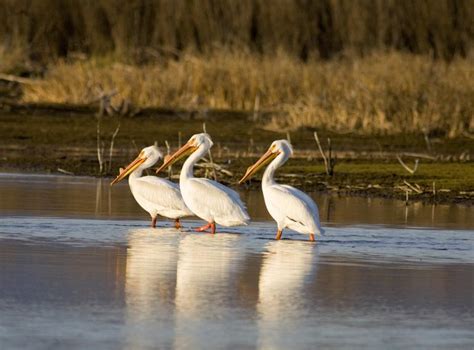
[(369, 66), (324, 28)]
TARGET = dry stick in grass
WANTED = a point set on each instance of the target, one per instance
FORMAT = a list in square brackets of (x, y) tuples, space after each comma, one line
[(105, 107), (112, 140), (65, 171), (328, 163), (19, 80), (407, 168), (99, 146), (413, 188), (427, 141), (214, 174), (168, 148)]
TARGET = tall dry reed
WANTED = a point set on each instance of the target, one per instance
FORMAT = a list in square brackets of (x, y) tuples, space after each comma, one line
[(141, 29), (379, 93)]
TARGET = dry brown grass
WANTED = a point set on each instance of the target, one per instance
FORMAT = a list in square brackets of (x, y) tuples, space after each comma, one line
[(380, 93)]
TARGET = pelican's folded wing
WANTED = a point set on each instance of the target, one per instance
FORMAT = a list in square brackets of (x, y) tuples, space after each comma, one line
[(296, 205), (226, 203), (161, 192)]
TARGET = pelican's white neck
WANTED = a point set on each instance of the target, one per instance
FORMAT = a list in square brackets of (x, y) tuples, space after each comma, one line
[(187, 170), (267, 179), (138, 172)]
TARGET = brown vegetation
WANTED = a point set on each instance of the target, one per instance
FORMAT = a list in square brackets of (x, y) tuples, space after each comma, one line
[(379, 93), (368, 66), (146, 29)]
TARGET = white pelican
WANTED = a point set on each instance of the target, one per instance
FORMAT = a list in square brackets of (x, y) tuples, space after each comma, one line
[(288, 206), (156, 195), (207, 199)]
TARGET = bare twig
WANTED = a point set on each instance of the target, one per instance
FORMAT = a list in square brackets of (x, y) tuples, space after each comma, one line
[(65, 171), (19, 80), (105, 107), (427, 141), (407, 168), (168, 149), (419, 155), (413, 188), (321, 151), (99, 146), (210, 155), (329, 156), (112, 140), (329, 162), (208, 165)]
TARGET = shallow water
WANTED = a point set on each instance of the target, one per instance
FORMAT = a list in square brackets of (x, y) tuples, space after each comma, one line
[(50, 195), (77, 272)]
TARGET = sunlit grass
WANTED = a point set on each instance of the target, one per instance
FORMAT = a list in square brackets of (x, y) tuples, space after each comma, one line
[(382, 93)]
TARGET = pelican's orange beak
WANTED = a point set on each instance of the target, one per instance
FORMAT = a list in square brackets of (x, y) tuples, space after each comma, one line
[(131, 167), (186, 150), (264, 160)]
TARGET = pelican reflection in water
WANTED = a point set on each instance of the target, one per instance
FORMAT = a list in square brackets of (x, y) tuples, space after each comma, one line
[(206, 278), (150, 285), (287, 269)]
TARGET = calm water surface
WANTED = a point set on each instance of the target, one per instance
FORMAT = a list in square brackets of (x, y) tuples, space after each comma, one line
[(79, 268)]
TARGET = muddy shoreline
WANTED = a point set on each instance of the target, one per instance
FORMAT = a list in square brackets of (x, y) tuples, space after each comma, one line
[(339, 184), (61, 139)]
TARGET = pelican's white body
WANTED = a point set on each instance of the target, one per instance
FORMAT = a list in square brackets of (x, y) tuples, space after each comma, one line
[(207, 199), (288, 206), (155, 195), (158, 196)]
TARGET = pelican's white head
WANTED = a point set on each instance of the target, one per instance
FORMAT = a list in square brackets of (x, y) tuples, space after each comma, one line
[(198, 141), (282, 146), (146, 158), (151, 154), (279, 149)]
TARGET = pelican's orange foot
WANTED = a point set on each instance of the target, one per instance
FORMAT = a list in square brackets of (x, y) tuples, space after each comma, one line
[(211, 225), (177, 224), (203, 228), (153, 222), (311, 237)]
